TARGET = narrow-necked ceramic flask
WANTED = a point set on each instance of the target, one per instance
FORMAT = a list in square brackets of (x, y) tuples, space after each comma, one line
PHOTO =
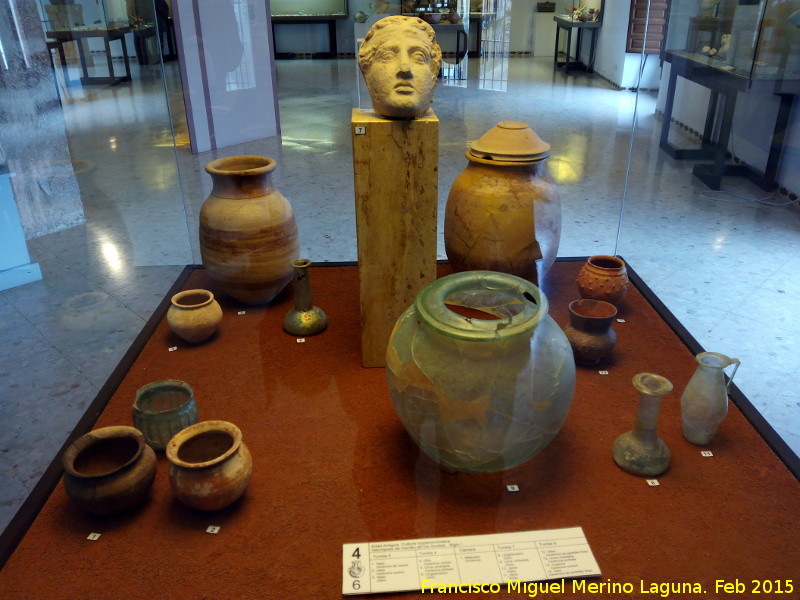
[(704, 403)]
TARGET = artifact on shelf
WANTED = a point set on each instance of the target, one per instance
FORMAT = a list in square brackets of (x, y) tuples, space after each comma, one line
[(194, 315), (109, 470), (589, 330), (502, 214), (582, 13), (704, 403), (479, 374), (305, 318), (162, 409), (400, 60), (432, 18), (640, 451), (248, 234), (380, 7), (209, 465), (604, 278)]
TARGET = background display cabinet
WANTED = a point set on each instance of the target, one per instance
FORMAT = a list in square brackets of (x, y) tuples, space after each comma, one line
[(575, 18), (728, 47), (83, 28), (746, 38), (584, 11), (308, 8), (77, 16)]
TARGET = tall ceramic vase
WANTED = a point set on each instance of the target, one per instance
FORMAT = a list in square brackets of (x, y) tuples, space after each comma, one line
[(502, 214), (248, 234)]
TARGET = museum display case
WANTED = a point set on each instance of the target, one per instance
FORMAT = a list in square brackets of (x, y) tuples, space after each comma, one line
[(333, 488), (308, 8), (91, 24), (730, 47), (583, 11), (309, 12), (71, 16), (750, 40), (584, 18)]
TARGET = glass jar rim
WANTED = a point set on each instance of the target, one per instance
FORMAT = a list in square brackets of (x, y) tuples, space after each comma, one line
[(715, 360), (144, 393), (241, 165), (431, 308)]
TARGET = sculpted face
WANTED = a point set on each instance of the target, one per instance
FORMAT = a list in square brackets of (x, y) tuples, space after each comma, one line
[(400, 61)]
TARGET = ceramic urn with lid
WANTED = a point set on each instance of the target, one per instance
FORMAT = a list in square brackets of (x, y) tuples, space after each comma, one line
[(502, 213)]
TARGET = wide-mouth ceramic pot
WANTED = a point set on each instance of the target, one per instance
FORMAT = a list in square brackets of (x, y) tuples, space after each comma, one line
[(109, 470), (210, 466)]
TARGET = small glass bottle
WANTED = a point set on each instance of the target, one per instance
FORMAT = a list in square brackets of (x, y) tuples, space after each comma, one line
[(305, 318), (640, 451), (704, 403)]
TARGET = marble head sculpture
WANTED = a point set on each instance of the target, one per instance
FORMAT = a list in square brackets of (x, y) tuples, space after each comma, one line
[(400, 60)]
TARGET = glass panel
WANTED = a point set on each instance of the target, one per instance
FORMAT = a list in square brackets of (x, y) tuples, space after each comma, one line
[(91, 186), (98, 167), (708, 220)]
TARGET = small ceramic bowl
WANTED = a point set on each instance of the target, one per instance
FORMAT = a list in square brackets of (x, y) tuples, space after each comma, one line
[(162, 409)]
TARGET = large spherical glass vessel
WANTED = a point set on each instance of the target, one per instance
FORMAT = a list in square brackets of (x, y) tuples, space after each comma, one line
[(479, 374)]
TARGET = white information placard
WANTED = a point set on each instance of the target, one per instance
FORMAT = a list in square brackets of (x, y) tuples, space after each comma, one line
[(504, 559)]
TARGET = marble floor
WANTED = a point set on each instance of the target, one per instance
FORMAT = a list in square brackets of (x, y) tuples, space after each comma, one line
[(726, 267)]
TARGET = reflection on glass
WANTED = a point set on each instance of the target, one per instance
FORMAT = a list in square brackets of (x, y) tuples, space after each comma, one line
[(495, 45), (453, 35), (111, 256), (242, 78), (568, 165), (747, 38)]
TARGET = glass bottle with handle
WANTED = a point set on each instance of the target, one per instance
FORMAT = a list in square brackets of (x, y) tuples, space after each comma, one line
[(704, 403)]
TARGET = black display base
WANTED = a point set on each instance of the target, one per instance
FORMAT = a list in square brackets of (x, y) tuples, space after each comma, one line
[(712, 175), (706, 151)]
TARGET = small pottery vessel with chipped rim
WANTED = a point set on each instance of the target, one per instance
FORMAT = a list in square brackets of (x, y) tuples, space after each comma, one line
[(209, 465), (109, 470)]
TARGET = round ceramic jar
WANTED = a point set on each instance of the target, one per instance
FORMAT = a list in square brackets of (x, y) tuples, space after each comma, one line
[(502, 213), (209, 465), (603, 278), (109, 470), (162, 409), (479, 374), (194, 315), (248, 233), (589, 330)]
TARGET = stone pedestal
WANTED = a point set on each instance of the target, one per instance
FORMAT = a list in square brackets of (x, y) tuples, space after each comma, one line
[(395, 164)]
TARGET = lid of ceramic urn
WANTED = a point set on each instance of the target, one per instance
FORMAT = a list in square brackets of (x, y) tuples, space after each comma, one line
[(511, 141)]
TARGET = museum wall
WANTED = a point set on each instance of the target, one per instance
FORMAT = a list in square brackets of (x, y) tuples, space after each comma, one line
[(611, 61)]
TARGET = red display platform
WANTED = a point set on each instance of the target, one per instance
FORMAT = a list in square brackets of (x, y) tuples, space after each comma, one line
[(333, 465)]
